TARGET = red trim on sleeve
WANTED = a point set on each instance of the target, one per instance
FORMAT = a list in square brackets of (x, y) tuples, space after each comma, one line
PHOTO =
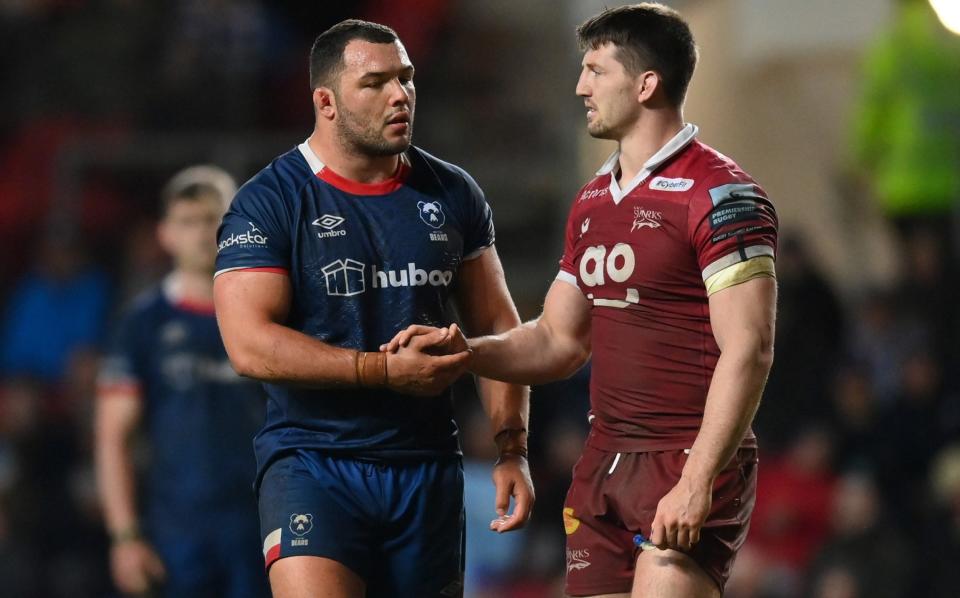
[(356, 188), (272, 556)]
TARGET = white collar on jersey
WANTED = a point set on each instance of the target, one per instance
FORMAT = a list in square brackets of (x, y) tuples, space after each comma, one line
[(677, 143), (315, 164)]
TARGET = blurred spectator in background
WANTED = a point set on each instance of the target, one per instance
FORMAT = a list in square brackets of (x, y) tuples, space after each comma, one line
[(912, 433), (791, 518), (854, 420), (940, 544), (811, 327), (57, 309), (906, 129), (864, 556), (881, 340), (193, 532)]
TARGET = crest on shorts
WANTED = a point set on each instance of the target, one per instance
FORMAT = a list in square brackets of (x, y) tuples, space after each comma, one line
[(570, 523), (301, 525)]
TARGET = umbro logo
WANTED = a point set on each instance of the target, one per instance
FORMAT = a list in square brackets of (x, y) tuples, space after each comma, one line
[(330, 223)]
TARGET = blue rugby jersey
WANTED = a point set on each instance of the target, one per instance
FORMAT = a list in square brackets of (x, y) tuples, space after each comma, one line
[(364, 261), (199, 416)]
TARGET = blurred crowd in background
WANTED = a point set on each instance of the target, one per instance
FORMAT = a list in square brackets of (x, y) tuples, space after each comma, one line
[(859, 486)]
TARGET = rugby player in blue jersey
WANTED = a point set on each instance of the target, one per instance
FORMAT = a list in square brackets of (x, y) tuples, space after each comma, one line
[(192, 532), (324, 255)]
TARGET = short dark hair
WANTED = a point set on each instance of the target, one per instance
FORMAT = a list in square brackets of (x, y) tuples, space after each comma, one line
[(195, 183), (326, 55), (648, 36)]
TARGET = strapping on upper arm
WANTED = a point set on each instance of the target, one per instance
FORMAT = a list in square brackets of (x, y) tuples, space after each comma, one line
[(740, 273)]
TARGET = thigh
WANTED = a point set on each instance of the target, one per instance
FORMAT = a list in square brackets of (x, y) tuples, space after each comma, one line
[(424, 531), (600, 552), (314, 577), (671, 574), (725, 529), (312, 505)]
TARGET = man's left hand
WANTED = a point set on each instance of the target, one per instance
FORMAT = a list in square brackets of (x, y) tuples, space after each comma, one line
[(511, 477), (680, 515)]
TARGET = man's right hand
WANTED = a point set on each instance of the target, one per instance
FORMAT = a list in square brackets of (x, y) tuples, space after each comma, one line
[(453, 342), (427, 363), (135, 566)]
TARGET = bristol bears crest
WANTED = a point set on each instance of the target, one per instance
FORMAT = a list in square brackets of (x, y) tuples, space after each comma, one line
[(431, 213), (301, 524)]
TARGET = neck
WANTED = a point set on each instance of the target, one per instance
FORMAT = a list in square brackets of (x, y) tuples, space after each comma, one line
[(191, 286), (349, 163), (645, 138)]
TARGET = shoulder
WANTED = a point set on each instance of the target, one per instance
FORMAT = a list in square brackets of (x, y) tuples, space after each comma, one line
[(426, 165), (278, 183), (718, 179)]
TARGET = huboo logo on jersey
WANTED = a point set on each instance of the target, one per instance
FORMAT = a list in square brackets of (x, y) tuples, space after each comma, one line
[(643, 218), (347, 277), (252, 237), (330, 224), (660, 183), (300, 525)]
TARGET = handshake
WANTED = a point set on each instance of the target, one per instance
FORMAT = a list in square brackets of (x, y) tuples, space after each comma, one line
[(424, 360)]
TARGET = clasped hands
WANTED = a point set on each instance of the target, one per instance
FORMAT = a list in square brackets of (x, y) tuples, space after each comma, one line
[(425, 360)]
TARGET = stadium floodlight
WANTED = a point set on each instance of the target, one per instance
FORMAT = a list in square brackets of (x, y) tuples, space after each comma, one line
[(948, 11)]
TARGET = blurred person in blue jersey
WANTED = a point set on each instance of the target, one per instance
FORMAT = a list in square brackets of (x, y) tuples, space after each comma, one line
[(192, 530), (325, 254)]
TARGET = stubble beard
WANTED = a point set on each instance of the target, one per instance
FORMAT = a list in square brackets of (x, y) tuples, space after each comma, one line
[(367, 138)]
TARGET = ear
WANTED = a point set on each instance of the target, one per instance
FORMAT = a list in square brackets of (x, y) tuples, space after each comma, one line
[(324, 103), (420, 204), (647, 84)]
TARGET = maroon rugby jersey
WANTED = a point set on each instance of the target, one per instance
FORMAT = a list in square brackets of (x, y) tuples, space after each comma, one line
[(640, 255)]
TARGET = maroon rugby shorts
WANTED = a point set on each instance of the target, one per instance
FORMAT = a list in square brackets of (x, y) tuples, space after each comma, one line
[(614, 496)]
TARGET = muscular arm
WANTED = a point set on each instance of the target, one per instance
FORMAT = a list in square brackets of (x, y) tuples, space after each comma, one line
[(552, 347), (743, 324), (486, 308), (743, 318), (251, 310)]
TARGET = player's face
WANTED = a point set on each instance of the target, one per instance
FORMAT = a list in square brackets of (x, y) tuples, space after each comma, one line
[(609, 94), (189, 233), (376, 98)]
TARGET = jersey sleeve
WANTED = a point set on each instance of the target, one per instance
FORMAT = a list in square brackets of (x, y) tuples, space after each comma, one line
[(734, 233), (120, 370), (478, 233), (255, 232), (568, 272)]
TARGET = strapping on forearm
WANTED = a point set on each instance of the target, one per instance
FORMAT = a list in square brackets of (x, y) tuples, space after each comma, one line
[(371, 369)]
